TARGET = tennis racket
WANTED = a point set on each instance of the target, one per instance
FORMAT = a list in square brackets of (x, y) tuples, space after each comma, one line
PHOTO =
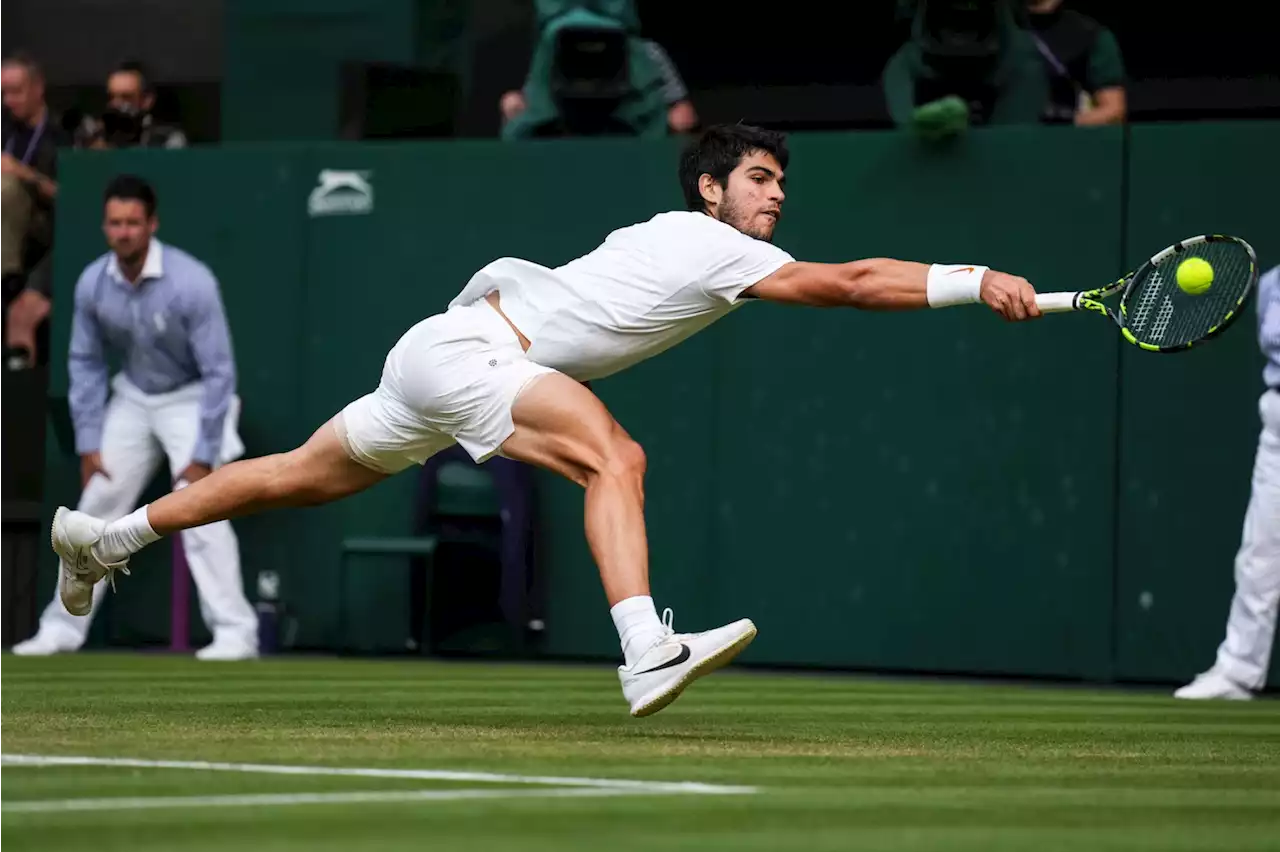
[(1156, 314)]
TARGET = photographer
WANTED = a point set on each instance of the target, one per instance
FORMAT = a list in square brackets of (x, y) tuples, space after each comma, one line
[(127, 121), (966, 63)]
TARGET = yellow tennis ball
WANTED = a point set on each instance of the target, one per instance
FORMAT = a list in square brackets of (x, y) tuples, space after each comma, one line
[(1195, 275)]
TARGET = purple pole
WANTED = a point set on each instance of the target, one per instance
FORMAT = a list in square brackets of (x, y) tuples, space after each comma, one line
[(179, 600)]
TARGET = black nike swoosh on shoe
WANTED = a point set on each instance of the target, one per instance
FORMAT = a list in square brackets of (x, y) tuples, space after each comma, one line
[(674, 661)]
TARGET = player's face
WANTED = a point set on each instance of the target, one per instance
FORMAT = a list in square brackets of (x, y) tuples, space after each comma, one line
[(128, 228), (753, 195)]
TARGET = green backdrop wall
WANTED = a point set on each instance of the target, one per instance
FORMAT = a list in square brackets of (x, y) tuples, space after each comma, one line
[(935, 491), (284, 58)]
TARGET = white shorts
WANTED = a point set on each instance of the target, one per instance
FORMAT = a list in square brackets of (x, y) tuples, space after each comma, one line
[(451, 378)]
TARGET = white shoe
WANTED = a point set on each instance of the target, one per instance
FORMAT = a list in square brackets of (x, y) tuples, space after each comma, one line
[(1214, 684), (42, 644), (226, 650), (73, 535), (677, 660)]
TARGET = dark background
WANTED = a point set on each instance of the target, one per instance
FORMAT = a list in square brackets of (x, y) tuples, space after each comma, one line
[(800, 65)]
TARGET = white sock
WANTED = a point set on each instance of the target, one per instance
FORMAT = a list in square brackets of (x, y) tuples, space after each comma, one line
[(638, 626), (125, 537)]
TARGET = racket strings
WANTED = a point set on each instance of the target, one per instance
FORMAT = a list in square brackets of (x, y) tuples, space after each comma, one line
[(1159, 312), (1146, 301)]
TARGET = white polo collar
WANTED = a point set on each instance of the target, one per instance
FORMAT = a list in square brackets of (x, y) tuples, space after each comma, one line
[(152, 267)]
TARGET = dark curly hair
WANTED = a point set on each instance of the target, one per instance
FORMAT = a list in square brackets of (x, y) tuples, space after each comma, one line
[(718, 150)]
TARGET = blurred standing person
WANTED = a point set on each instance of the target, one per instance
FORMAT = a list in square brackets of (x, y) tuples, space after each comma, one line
[(1245, 654), (30, 169), (160, 309)]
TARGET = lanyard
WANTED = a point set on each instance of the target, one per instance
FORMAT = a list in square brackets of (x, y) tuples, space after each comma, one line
[(31, 146)]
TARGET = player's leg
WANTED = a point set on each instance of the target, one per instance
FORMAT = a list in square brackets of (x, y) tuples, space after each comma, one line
[(130, 457), (562, 426), (317, 472), (372, 438), (1245, 653), (320, 471)]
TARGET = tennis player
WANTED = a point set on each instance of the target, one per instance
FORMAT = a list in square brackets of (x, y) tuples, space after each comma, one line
[(501, 372)]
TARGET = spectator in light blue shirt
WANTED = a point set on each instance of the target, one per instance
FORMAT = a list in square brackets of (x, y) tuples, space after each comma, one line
[(1244, 656), (159, 310)]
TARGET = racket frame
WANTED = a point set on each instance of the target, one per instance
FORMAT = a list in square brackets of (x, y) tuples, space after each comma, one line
[(1091, 300)]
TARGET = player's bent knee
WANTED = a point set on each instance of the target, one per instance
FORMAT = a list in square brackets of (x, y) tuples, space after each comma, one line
[(623, 457)]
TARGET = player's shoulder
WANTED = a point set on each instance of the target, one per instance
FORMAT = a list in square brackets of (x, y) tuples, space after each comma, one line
[(699, 229), (687, 220), (670, 221), (698, 238)]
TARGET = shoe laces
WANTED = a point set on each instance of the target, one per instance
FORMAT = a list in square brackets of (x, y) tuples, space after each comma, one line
[(667, 618), (109, 569)]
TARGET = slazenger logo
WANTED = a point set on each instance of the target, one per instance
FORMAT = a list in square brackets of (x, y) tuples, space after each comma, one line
[(341, 193)]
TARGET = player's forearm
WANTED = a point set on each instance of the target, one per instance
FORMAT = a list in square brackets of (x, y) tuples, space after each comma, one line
[(883, 284), (874, 284)]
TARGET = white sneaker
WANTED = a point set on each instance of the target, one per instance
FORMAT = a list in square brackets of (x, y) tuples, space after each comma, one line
[(1214, 684), (677, 660), (43, 644), (226, 650), (73, 535)]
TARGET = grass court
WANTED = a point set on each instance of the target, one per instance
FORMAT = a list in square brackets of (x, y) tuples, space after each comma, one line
[(156, 752)]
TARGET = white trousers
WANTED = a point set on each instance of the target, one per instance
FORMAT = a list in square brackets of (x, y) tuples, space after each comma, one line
[(139, 428), (1245, 653)]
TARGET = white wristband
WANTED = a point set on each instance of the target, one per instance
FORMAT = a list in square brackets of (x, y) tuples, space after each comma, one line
[(954, 284)]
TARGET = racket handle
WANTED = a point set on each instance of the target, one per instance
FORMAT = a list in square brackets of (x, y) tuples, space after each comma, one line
[(1051, 303)]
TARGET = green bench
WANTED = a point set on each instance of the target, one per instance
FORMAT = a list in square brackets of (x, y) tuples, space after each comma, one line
[(463, 489)]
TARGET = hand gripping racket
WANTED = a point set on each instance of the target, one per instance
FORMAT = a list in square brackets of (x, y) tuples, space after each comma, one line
[(1158, 315)]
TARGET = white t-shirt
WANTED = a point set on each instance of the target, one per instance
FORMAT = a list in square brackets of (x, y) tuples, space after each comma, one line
[(645, 289)]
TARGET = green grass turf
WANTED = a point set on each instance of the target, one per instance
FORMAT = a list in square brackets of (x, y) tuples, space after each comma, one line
[(840, 762)]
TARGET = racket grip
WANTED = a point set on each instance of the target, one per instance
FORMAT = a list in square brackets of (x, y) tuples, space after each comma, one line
[(1051, 303)]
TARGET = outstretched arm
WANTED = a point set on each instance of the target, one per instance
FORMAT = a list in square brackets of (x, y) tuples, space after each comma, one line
[(883, 284)]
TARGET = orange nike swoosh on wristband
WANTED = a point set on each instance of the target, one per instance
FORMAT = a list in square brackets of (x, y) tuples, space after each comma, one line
[(961, 269)]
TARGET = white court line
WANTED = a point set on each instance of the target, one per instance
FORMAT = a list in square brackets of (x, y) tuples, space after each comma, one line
[(414, 774), (363, 797)]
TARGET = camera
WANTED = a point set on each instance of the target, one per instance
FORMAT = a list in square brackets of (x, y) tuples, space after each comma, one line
[(122, 127), (115, 128)]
